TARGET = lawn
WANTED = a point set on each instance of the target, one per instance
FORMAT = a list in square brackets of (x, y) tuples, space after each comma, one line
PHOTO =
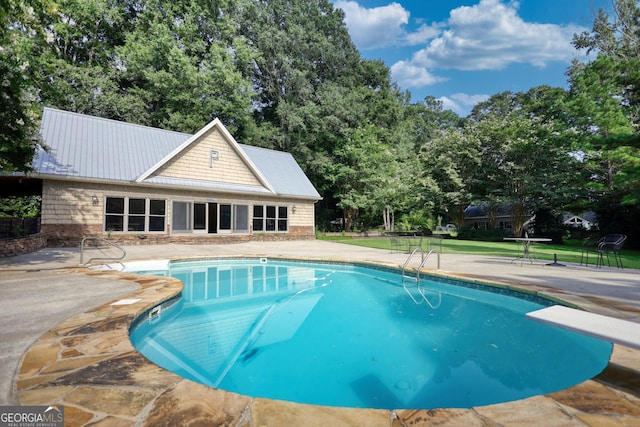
[(568, 252)]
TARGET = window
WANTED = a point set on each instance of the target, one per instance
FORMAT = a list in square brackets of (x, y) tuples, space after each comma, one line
[(225, 217), (282, 218), (137, 211), (209, 217), (157, 213), (240, 218), (134, 214), (114, 214), (199, 216), (258, 218), (181, 216), (270, 218)]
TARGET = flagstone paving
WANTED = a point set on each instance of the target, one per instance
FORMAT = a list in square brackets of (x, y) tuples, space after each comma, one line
[(88, 364)]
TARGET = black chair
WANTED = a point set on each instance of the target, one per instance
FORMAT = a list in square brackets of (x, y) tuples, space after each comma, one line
[(609, 244)]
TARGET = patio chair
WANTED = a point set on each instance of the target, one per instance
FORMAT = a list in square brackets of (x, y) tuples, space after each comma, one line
[(397, 244), (414, 243), (609, 244)]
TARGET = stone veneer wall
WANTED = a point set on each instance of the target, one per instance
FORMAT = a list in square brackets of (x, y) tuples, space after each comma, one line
[(22, 245)]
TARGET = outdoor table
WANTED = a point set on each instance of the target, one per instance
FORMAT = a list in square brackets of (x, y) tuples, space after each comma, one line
[(526, 247)]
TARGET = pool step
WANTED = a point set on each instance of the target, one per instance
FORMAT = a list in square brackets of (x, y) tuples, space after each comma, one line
[(607, 328)]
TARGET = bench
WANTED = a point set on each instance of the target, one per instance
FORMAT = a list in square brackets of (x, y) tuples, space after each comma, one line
[(606, 328)]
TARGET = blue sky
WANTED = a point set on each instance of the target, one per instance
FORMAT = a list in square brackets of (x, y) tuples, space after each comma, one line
[(463, 51)]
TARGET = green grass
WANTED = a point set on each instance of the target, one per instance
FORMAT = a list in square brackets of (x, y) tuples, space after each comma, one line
[(568, 252)]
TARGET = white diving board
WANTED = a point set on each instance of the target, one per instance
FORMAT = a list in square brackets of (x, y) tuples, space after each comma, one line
[(606, 328)]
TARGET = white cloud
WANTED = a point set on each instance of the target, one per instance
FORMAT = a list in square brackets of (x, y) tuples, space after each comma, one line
[(450, 104), (469, 100), (374, 27), (407, 74), (491, 36), (461, 103), (422, 34)]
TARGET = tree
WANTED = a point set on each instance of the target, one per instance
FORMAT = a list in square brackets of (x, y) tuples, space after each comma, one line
[(300, 46), (362, 168), (20, 27), (453, 161), (169, 64), (526, 165), (185, 65), (606, 102)]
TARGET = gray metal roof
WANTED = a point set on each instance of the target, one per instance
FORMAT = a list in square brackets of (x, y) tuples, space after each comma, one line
[(207, 185), (94, 148), (281, 170)]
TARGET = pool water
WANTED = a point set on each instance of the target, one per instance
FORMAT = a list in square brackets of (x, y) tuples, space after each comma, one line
[(342, 335)]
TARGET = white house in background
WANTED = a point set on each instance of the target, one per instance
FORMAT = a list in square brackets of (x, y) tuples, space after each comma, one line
[(145, 185), (585, 220)]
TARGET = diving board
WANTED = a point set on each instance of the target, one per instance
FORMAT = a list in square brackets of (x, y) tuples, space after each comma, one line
[(606, 328)]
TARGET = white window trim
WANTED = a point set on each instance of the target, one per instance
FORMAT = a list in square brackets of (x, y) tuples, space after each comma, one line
[(125, 215), (277, 218)]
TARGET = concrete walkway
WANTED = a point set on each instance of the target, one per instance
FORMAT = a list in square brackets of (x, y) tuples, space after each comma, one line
[(42, 289)]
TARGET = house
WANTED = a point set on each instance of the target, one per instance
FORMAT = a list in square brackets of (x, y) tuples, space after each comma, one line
[(586, 220), (139, 184), (478, 217)]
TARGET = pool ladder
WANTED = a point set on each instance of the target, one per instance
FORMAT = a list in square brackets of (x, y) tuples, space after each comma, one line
[(100, 239), (406, 278)]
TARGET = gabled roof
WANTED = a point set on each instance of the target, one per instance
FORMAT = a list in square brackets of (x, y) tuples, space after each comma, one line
[(230, 140), (96, 149), (482, 211), (586, 216)]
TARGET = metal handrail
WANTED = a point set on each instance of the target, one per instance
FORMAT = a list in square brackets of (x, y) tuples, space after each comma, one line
[(98, 238), (404, 267), (424, 260), (425, 257)]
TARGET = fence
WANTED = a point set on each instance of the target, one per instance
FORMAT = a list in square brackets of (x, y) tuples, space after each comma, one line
[(10, 228)]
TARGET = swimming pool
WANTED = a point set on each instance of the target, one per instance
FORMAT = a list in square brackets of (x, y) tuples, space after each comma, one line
[(352, 335)]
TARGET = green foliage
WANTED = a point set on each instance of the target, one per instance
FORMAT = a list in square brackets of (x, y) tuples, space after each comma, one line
[(548, 223), (19, 27), (174, 65), (417, 221), (526, 159), (20, 207), (606, 104), (363, 162)]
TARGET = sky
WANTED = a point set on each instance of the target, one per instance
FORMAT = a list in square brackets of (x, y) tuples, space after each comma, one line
[(464, 51)]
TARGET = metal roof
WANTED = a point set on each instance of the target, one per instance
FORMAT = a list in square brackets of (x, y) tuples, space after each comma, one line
[(197, 184), (281, 170), (94, 148)]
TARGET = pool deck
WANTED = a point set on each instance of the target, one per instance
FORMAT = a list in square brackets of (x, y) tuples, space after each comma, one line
[(64, 342)]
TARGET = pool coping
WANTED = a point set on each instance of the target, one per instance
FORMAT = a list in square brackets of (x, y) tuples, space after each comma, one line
[(88, 364)]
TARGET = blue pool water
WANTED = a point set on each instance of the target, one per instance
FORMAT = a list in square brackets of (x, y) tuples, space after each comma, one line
[(344, 335)]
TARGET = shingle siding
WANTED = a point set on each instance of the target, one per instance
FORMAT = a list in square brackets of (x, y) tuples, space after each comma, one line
[(194, 163)]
